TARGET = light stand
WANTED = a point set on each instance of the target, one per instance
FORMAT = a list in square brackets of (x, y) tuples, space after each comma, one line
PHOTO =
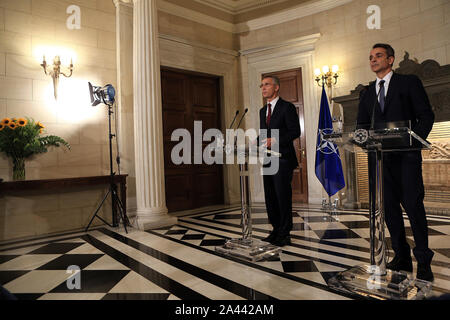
[(106, 96)]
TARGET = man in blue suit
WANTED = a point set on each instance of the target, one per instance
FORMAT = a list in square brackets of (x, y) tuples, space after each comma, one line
[(282, 115), (397, 97)]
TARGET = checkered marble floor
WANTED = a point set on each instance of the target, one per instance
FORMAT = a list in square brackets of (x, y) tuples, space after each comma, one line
[(180, 262)]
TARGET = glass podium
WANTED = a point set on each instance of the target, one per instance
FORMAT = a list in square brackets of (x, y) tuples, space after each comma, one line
[(375, 280), (247, 247)]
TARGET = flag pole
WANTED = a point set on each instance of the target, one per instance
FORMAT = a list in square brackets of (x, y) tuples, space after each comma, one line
[(330, 93), (331, 106)]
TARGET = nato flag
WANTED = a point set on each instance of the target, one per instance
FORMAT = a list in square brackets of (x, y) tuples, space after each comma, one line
[(328, 161)]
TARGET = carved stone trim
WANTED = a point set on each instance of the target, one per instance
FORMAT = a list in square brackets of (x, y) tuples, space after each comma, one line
[(429, 69), (439, 151)]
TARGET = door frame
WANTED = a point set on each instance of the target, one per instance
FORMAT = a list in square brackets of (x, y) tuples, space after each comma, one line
[(192, 56), (196, 169), (297, 53)]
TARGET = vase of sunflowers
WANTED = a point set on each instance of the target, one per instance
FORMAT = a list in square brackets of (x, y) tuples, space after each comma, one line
[(21, 138)]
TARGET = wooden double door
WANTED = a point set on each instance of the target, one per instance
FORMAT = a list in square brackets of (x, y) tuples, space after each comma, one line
[(291, 90), (189, 97)]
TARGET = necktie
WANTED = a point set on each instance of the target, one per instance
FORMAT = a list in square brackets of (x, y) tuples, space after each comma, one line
[(382, 97), (269, 114)]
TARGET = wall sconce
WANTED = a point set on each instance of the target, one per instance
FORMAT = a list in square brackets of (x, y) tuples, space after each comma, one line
[(325, 76), (54, 71)]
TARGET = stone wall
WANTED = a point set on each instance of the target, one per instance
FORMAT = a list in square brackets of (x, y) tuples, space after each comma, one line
[(29, 29)]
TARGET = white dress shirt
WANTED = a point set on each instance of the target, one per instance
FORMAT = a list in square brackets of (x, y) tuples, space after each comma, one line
[(387, 79), (272, 105)]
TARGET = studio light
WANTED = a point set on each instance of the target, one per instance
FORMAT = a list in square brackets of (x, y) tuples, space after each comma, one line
[(104, 94)]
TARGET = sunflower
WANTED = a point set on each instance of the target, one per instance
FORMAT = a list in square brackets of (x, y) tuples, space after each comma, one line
[(6, 121), (2, 126), (12, 125), (40, 125), (22, 122)]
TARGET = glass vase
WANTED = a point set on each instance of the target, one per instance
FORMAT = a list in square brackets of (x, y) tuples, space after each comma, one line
[(18, 169)]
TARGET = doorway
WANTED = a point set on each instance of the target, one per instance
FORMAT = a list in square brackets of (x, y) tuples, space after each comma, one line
[(291, 90), (189, 97)]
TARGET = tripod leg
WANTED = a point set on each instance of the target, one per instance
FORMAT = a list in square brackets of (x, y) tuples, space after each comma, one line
[(95, 213), (121, 210)]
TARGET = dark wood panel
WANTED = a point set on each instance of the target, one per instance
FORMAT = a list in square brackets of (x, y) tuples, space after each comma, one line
[(173, 120), (290, 89), (180, 195), (208, 188), (173, 90), (204, 93)]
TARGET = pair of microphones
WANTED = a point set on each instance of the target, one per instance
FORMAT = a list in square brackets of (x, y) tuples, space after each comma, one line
[(235, 116)]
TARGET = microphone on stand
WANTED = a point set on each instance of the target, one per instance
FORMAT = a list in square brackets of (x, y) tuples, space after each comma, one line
[(239, 124), (222, 141), (231, 125), (245, 112)]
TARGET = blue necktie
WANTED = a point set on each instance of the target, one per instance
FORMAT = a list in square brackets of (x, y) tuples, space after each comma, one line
[(382, 97)]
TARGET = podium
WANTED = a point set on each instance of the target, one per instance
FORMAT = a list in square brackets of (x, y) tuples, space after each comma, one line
[(247, 247), (374, 280)]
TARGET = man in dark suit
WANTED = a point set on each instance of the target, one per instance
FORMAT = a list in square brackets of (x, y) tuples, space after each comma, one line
[(397, 97), (281, 115)]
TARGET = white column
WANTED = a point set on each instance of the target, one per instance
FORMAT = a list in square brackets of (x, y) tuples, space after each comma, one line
[(148, 131), (124, 97)]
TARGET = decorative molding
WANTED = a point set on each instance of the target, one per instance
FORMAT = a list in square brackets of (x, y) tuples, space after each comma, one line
[(428, 69), (303, 10), (195, 16), (124, 4), (198, 45), (440, 150), (300, 41), (239, 6)]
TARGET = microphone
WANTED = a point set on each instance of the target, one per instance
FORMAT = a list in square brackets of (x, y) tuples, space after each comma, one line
[(372, 122), (231, 125), (245, 112)]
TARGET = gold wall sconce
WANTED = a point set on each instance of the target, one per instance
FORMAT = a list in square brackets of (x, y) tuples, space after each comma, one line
[(55, 71), (327, 77)]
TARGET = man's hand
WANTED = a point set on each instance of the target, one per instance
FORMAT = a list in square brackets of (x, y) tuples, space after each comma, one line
[(269, 142)]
